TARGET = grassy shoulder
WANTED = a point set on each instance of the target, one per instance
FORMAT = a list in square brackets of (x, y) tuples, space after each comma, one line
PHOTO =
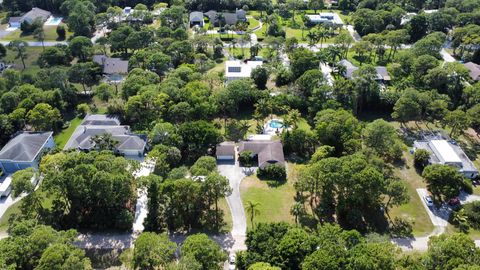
[(274, 201), (412, 211), (62, 138), (227, 216)]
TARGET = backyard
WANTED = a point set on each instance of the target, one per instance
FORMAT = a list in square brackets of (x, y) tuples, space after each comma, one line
[(49, 30)]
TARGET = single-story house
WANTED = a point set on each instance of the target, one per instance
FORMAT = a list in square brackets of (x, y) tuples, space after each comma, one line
[(128, 144), (225, 151), (325, 17), (473, 70), (382, 74), (196, 18), (236, 69), (30, 17), (111, 66), (267, 152), (229, 18), (447, 153), (25, 151)]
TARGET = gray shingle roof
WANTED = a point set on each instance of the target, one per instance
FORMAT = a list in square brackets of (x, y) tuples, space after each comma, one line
[(196, 16), (25, 146), (100, 119), (474, 70), (225, 149), (268, 152), (100, 124), (111, 65)]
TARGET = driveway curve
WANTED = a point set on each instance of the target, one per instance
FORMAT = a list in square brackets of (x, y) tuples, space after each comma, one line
[(235, 174)]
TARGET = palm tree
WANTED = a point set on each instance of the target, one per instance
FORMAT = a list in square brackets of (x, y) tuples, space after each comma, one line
[(297, 210), (252, 210), (322, 34), (461, 219), (294, 116), (312, 36)]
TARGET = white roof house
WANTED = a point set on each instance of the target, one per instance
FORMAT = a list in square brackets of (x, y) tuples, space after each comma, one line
[(236, 69), (325, 17), (448, 153), (445, 152)]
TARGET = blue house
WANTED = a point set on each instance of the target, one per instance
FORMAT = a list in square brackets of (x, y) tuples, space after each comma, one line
[(25, 150)]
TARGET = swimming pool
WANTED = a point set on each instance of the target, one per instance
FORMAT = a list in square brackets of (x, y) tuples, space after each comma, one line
[(276, 124), (54, 21)]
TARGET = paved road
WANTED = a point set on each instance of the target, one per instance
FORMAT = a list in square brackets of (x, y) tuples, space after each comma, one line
[(39, 44), (327, 73), (235, 174)]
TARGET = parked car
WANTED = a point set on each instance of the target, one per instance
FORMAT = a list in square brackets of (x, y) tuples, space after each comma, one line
[(231, 262), (454, 201), (428, 200)]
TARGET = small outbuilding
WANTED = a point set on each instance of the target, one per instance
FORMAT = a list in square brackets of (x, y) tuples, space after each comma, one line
[(225, 151)]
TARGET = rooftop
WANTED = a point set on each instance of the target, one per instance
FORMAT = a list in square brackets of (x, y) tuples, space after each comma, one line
[(25, 146), (474, 70), (225, 149), (111, 65), (268, 152), (446, 152), (239, 69), (323, 17), (100, 124)]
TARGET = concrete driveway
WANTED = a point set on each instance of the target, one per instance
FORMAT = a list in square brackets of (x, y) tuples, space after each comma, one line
[(235, 174)]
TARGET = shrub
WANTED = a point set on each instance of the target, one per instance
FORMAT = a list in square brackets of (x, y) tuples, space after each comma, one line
[(246, 159), (472, 212), (420, 158), (82, 110), (61, 32), (273, 172), (204, 166)]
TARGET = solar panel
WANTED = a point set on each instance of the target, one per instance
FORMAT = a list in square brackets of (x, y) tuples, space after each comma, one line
[(235, 69)]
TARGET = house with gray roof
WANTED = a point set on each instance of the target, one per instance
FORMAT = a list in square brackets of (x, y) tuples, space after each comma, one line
[(473, 70), (25, 151), (196, 18), (225, 151), (111, 66), (381, 76), (266, 152), (30, 17), (128, 144), (229, 18)]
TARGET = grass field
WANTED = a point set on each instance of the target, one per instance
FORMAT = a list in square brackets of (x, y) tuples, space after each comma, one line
[(274, 202), (62, 138), (413, 211), (30, 62), (50, 34)]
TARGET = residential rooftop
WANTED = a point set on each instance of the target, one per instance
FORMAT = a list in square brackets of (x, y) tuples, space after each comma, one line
[(25, 146)]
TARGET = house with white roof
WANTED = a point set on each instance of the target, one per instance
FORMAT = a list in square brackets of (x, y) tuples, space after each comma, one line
[(236, 69), (324, 17), (448, 153)]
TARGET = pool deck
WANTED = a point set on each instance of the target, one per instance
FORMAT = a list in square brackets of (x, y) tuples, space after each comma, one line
[(269, 130)]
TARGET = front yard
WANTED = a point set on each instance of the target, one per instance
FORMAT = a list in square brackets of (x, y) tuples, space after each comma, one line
[(274, 201)]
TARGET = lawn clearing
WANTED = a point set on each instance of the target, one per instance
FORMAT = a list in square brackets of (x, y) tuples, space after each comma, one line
[(31, 66), (50, 34), (62, 138), (275, 202)]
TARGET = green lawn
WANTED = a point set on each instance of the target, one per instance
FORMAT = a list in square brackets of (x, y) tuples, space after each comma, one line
[(413, 211), (275, 202), (253, 23), (62, 138), (31, 66), (227, 216), (50, 34)]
